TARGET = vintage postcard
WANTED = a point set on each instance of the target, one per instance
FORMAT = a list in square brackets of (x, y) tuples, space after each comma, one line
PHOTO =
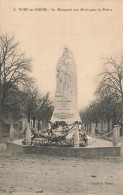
[(61, 97)]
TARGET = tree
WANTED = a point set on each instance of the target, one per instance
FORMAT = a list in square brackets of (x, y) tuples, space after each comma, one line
[(31, 102), (111, 85), (13, 70), (45, 110), (36, 106), (91, 114), (100, 110), (107, 109), (0, 103)]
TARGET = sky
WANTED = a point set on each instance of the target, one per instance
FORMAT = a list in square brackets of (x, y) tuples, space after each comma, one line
[(91, 35)]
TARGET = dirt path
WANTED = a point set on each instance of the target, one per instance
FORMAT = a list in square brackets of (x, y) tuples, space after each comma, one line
[(40, 174)]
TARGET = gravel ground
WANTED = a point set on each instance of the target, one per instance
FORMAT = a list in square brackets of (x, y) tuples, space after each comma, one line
[(41, 174)]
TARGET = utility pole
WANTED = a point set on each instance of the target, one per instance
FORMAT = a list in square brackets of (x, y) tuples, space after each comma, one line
[(0, 102)]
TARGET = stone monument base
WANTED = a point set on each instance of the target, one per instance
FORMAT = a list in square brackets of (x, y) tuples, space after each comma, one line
[(89, 152)]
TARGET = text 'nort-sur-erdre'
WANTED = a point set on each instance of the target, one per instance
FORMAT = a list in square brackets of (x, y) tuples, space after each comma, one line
[(62, 9)]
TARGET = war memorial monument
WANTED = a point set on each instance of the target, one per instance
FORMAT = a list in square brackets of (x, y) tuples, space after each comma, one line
[(64, 135)]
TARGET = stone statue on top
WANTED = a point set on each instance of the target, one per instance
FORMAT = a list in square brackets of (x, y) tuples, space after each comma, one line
[(64, 72)]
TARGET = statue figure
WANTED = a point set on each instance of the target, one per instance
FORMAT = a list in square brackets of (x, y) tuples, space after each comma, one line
[(64, 73)]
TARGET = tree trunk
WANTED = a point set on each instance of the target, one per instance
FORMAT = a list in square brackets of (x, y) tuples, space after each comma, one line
[(0, 129), (122, 117), (38, 125), (101, 125), (108, 125), (0, 102), (28, 117), (1, 119), (121, 126), (34, 122)]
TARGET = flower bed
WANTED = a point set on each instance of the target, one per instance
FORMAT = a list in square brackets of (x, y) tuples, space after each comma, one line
[(59, 134), (52, 142), (61, 141)]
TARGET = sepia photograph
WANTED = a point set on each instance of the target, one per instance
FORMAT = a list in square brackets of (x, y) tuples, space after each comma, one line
[(61, 97)]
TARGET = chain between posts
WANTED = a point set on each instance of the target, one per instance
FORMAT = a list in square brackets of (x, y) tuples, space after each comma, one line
[(69, 129)]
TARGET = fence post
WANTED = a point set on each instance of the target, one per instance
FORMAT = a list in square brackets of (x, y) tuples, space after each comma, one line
[(11, 133), (76, 136), (28, 135), (115, 135), (93, 129)]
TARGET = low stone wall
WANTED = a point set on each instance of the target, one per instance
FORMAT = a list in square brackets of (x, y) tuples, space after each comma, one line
[(66, 151)]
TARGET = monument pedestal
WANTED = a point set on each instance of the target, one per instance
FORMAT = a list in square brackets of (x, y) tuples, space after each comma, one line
[(65, 109)]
